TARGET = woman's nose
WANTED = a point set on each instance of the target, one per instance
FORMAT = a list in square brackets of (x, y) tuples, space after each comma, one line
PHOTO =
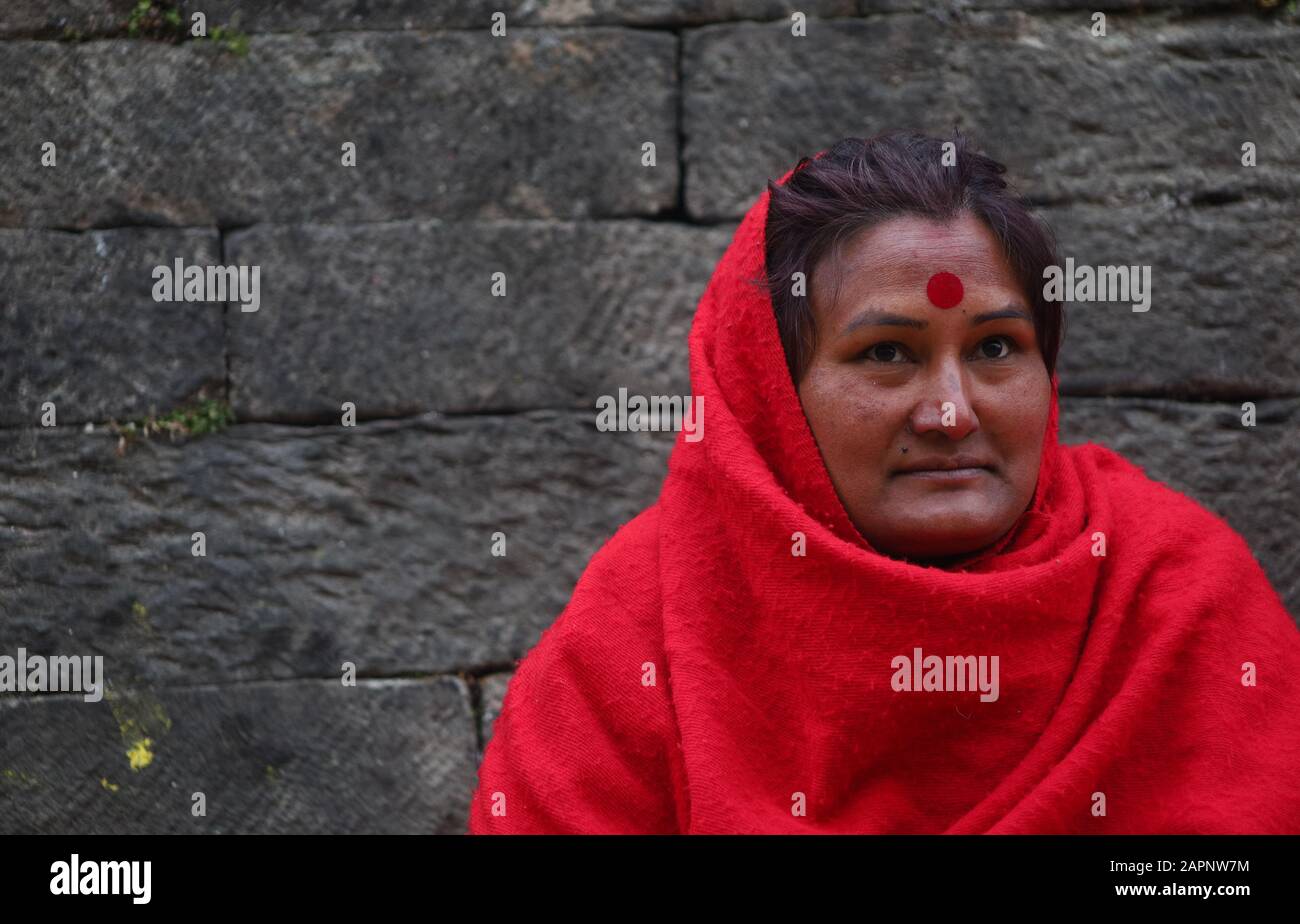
[(945, 406)]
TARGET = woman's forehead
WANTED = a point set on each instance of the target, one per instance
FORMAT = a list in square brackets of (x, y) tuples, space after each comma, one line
[(908, 247), (894, 263)]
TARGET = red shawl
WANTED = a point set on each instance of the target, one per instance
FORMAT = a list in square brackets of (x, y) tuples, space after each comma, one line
[(703, 679)]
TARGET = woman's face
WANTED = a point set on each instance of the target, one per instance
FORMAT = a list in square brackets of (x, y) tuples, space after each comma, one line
[(896, 383)]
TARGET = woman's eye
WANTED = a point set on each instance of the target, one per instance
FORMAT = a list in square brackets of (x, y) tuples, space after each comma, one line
[(892, 352), (883, 352), (995, 341)]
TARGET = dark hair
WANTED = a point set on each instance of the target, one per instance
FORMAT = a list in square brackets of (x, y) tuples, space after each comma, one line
[(861, 182)]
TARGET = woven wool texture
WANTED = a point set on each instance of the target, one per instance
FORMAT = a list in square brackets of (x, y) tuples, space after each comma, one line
[(1120, 674)]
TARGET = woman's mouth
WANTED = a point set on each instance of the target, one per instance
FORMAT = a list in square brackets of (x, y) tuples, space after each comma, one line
[(964, 466), (947, 474)]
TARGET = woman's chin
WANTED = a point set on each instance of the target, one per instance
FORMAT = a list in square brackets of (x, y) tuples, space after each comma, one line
[(932, 543)]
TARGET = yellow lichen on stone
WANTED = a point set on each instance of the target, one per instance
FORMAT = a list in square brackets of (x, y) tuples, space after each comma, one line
[(140, 719), (18, 776), (140, 754)]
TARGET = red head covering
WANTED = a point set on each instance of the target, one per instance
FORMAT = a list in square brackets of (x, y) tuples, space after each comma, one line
[(704, 678)]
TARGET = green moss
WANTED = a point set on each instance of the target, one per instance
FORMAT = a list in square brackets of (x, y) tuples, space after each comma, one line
[(199, 418), (208, 416), (150, 19), (162, 21), (233, 41)]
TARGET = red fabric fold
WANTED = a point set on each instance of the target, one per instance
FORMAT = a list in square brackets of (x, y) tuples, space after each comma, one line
[(772, 707)]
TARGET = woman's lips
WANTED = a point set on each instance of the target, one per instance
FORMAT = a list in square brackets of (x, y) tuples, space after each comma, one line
[(947, 474)]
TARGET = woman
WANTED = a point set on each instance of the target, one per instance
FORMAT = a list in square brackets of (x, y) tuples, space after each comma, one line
[(878, 596)]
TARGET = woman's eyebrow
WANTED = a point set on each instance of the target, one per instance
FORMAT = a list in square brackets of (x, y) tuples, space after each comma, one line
[(1010, 311), (877, 318)]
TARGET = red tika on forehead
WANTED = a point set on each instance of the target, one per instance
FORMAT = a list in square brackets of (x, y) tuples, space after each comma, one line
[(944, 290)]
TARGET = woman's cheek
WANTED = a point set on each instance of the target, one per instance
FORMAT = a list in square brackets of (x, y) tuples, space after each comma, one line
[(1020, 425), (868, 424), (1024, 397)]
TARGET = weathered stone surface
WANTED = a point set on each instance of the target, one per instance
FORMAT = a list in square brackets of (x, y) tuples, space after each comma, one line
[(310, 756), (79, 326), (1222, 319), (960, 7), (453, 124), (369, 544), (1159, 107), (51, 17), (262, 15), (1246, 475), (844, 78), (493, 690), (400, 318)]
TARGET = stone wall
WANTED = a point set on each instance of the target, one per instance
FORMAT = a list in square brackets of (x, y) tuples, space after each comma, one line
[(479, 154)]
